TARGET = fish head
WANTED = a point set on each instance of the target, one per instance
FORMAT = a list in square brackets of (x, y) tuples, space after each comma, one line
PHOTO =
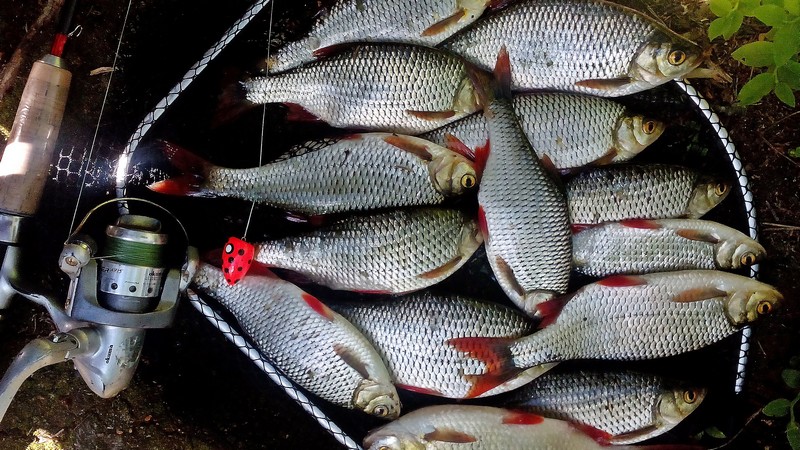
[(393, 437), (378, 399), (634, 133), (451, 173), (752, 300), (471, 237), (738, 253), (676, 403), (708, 192), (666, 56)]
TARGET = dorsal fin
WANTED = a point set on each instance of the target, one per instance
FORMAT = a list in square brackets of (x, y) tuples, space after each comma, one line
[(622, 281), (502, 74)]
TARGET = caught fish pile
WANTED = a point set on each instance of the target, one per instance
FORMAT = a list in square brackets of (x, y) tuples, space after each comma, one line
[(443, 156)]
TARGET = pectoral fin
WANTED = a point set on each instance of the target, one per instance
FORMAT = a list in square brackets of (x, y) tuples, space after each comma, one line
[(600, 84), (449, 435), (432, 115), (696, 235), (698, 294), (445, 24)]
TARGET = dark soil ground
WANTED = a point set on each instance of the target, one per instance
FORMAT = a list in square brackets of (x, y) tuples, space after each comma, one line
[(193, 390)]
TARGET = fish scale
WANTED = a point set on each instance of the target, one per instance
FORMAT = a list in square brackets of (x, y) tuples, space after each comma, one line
[(661, 245), (645, 317), (555, 44), (403, 21), (572, 130), (528, 241), (415, 348), (393, 252), (374, 87), (655, 191), (629, 405), (296, 334)]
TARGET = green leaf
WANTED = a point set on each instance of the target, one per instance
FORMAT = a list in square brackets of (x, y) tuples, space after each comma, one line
[(793, 66), (795, 152), (793, 436), (777, 408), (747, 7), (771, 15), (786, 95), (787, 44), (755, 54), (792, 80), (721, 7), (715, 432), (793, 6), (736, 19), (755, 89)]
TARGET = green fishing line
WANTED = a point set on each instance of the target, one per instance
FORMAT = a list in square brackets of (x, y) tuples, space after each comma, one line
[(134, 253)]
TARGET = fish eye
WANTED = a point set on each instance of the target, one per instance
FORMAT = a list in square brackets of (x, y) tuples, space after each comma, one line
[(689, 396), (381, 411), (764, 307), (720, 189), (649, 126), (468, 181), (676, 57), (748, 259)]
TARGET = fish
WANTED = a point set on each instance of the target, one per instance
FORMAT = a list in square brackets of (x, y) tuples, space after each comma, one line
[(588, 46), (572, 130), (426, 22), (527, 237), (654, 191), (391, 252), (630, 406), (386, 87), (630, 317), (312, 345), (645, 246), (415, 349), (484, 427), (354, 173)]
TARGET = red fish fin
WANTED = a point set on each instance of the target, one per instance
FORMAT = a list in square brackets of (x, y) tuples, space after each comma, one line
[(550, 167), (604, 84), (636, 435), (505, 271), (318, 306), (698, 294), (599, 436), (232, 101), (482, 156), (622, 281), (261, 270), (494, 5), (495, 354), (502, 73), (482, 225), (445, 24), (643, 224), (548, 311), (194, 171), (449, 435), (330, 50), (299, 114), (522, 418), (432, 115), (696, 235), (351, 359), (442, 270), (578, 227), (419, 390), (455, 144), (410, 145), (606, 159), (351, 137)]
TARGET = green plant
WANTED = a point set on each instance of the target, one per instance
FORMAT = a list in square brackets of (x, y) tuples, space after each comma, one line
[(782, 407), (777, 53)]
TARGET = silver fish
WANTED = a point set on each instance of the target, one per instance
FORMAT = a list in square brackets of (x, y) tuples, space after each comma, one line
[(527, 236), (423, 22), (415, 348), (382, 87), (588, 46), (630, 317), (457, 427), (359, 172), (393, 252), (315, 347), (644, 246), (656, 191), (630, 406), (571, 130)]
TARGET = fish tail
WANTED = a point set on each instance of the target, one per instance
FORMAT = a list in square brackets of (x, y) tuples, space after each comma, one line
[(194, 172), (495, 353), (232, 101), (502, 75)]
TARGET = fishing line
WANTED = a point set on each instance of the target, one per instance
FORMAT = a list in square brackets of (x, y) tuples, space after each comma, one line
[(263, 121), (85, 168)]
